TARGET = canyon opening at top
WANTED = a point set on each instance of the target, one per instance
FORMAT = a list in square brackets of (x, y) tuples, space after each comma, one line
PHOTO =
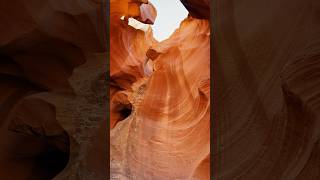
[(163, 17), (170, 13)]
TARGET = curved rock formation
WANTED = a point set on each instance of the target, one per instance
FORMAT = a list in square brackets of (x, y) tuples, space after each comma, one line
[(50, 108), (166, 134), (266, 101)]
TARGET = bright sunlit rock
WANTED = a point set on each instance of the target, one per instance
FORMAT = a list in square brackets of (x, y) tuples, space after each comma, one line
[(138, 25)]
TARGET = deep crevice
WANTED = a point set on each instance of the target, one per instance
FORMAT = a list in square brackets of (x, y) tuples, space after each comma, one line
[(124, 110)]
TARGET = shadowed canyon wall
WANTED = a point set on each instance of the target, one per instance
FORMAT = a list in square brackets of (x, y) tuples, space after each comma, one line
[(160, 96), (266, 90), (52, 89)]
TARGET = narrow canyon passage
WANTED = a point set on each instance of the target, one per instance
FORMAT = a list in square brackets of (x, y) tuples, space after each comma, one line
[(160, 95)]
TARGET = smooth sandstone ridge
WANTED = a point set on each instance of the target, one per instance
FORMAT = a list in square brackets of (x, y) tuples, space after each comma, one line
[(159, 98)]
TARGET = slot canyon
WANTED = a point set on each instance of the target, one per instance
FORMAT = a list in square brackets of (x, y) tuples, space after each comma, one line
[(266, 90), (87, 91), (159, 94), (53, 90)]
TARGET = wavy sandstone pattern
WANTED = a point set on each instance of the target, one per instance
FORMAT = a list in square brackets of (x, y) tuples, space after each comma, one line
[(167, 133), (267, 91)]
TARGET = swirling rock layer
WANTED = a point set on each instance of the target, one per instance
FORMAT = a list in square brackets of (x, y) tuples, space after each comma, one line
[(166, 134), (266, 101)]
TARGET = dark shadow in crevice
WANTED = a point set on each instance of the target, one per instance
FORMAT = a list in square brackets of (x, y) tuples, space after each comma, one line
[(125, 111), (53, 160)]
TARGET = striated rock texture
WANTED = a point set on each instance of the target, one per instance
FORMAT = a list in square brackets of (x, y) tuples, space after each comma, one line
[(159, 98), (267, 90), (52, 89)]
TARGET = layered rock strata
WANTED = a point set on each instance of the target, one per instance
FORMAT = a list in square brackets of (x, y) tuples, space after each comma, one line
[(266, 84), (160, 99)]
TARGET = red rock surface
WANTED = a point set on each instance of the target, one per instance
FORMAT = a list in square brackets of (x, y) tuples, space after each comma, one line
[(166, 132)]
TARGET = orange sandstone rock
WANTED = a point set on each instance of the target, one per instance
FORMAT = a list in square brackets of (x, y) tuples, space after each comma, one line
[(167, 133)]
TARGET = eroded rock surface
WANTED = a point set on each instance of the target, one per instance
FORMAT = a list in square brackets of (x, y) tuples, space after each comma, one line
[(266, 100), (52, 90), (167, 133)]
